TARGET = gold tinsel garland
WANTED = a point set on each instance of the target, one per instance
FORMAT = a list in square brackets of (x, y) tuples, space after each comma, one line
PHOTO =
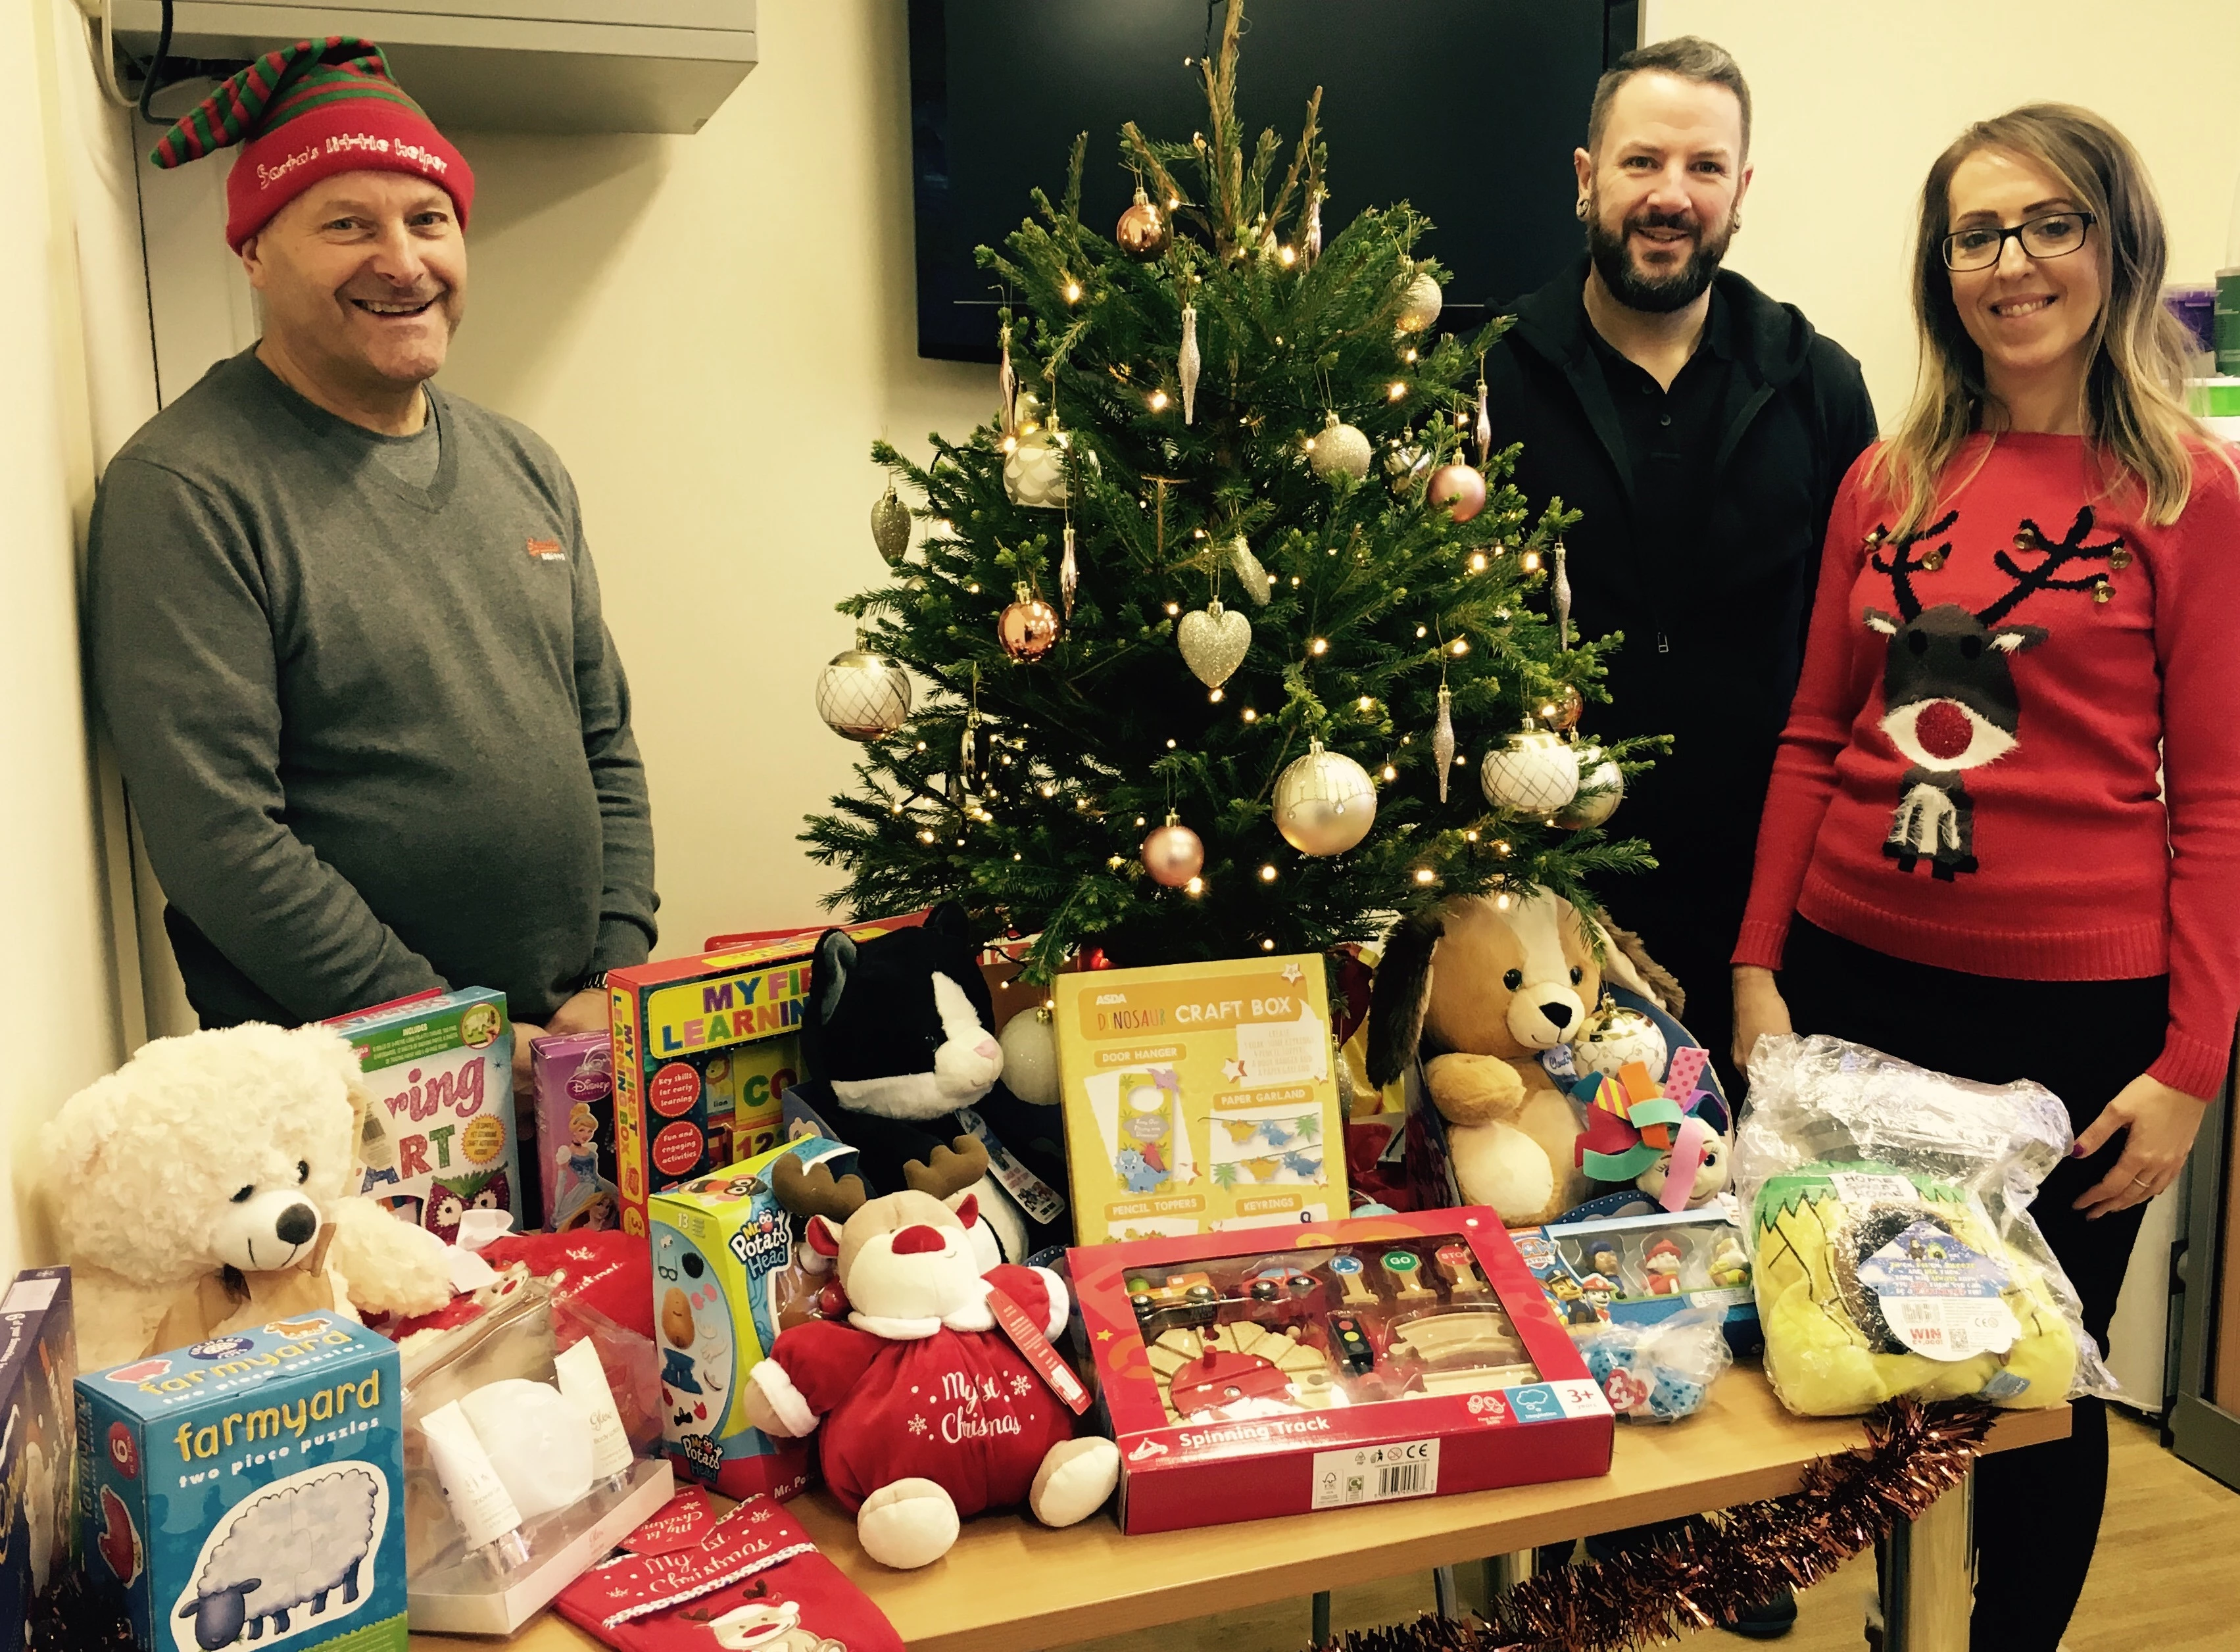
[(1707, 1569)]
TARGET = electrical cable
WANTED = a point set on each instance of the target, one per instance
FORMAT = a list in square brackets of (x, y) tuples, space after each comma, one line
[(155, 69), (104, 56)]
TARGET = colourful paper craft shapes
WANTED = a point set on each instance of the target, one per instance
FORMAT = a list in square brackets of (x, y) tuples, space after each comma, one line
[(1631, 1119)]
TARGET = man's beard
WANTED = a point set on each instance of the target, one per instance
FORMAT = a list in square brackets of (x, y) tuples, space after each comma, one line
[(1656, 294)]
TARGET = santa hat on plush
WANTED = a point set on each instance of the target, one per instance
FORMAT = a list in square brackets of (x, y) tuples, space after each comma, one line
[(302, 114)]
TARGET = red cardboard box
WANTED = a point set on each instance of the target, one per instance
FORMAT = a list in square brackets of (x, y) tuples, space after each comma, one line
[(1277, 1372)]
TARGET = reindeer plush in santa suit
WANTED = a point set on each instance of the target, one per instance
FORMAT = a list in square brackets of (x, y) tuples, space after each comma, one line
[(929, 1412)]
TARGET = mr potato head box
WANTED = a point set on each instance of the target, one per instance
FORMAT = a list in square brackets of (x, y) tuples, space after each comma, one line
[(1275, 1372)]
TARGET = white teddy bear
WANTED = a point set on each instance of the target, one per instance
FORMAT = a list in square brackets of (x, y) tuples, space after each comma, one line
[(217, 1151)]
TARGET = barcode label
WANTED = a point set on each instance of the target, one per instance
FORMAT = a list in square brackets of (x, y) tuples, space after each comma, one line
[(1376, 1473), (27, 1294)]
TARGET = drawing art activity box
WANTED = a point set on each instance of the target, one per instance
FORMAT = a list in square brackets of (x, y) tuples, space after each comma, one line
[(38, 1439), (1276, 1373), (728, 1276), (1199, 1097), (439, 1137), (704, 1051), (249, 1490)]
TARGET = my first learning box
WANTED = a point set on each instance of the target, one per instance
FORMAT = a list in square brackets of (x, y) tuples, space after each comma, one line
[(1339, 1364), (249, 1490), (706, 1048)]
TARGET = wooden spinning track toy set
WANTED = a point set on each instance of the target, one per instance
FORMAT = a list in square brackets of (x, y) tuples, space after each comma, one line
[(1372, 1358)]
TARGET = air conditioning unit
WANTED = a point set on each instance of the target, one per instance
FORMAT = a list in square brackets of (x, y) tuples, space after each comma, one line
[(500, 65)]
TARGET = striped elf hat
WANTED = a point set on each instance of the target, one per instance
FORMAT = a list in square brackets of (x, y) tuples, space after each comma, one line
[(304, 114)]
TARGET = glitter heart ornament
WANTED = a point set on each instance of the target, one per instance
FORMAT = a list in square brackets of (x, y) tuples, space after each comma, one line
[(1214, 641)]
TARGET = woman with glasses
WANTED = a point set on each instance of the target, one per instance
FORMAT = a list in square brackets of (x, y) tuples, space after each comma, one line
[(2028, 609)]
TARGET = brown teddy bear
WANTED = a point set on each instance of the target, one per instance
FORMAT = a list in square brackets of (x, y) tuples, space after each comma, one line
[(1479, 987)]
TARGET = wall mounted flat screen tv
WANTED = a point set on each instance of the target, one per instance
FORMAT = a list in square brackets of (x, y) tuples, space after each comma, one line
[(1467, 109)]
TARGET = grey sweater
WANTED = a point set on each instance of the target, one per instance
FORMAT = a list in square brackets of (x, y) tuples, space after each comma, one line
[(376, 735)]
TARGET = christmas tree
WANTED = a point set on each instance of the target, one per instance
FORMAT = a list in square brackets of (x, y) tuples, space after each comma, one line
[(1166, 582)]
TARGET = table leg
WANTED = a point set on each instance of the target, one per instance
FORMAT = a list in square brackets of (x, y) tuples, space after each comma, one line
[(1443, 1591), (1320, 1608), (1505, 1572), (1928, 1575)]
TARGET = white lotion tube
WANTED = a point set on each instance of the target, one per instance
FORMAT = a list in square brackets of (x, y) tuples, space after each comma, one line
[(584, 1381), (478, 1498)]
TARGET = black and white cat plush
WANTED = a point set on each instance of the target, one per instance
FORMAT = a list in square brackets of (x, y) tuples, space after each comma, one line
[(900, 1056)]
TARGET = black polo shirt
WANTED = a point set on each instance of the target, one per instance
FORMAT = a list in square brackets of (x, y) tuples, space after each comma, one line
[(1672, 437)]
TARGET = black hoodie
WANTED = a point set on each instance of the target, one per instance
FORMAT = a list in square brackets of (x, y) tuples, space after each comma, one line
[(1714, 620)]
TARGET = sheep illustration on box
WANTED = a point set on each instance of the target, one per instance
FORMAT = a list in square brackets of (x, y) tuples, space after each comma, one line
[(304, 1539), (243, 1492)]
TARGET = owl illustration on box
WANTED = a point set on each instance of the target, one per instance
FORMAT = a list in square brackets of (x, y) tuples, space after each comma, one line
[(450, 1198)]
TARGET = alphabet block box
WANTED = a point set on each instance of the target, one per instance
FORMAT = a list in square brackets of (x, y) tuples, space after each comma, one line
[(250, 1490)]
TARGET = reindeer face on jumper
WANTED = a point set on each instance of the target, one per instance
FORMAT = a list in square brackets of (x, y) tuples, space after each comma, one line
[(1949, 700)]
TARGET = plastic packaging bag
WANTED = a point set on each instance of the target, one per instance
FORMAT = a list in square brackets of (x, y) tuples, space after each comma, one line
[(1890, 1234), (1660, 1372)]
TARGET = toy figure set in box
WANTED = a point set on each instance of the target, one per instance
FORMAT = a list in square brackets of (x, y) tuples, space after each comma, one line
[(1369, 1358), (1200, 1097), (1642, 1269)]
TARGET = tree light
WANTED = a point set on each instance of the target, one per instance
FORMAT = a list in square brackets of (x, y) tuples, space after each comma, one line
[(1470, 837), (1389, 772), (1320, 645), (925, 836), (1170, 745), (1139, 823), (1410, 356), (1195, 887), (1395, 390), (1285, 256), (1477, 562), (1010, 444), (1073, 292), (1529, 561), (1117, 862), (1422, 630), (1459, 647), (1250, 716), (1267, 875), (1214, 696), (1158, 401), (1268, 945), (1367, 703), (1425, 874), (1501, 903)]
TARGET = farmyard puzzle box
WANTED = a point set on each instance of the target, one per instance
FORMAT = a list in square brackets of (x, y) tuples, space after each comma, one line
[(440, 1135), (727, 1278), (1199, 1097), (704, 1051), (250, 1490)]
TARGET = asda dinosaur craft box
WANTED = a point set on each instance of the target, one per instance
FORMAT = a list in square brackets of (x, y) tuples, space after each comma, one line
[(440, 1137), (1199, 1097), (1335, 1364), (728, 1274), (248, 1490), (704, 1050), (39, 1446)]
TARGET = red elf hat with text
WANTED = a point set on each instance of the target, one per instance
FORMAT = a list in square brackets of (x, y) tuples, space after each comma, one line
[(304, 114)]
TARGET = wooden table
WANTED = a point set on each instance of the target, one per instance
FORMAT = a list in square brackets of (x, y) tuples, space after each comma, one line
[(1013, 1586)]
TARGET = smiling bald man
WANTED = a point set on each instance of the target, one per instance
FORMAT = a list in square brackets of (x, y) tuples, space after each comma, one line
[(345, 626)]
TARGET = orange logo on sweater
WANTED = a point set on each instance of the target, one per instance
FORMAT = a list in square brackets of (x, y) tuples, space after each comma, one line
[(546, 550)]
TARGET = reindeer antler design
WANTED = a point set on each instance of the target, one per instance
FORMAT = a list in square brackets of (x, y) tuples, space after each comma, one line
[(2030, 536), (1902, 564), (947, 1170), (811, 1190)]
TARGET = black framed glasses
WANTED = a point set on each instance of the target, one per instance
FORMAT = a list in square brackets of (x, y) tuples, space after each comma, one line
[(2049, 236)]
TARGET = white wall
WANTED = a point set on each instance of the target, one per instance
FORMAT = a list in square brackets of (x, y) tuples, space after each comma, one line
[(712, 329), (69, 336), (1853, 102)]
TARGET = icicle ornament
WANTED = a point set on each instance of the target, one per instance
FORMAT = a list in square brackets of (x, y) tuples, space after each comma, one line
[(1187, 363), (1443, 738), (1484, 431), (1311, 242), (1561, 585), (1069, 575), (1007, 385)]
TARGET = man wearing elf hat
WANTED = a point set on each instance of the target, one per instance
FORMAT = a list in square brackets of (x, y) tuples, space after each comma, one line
[(345, 626)]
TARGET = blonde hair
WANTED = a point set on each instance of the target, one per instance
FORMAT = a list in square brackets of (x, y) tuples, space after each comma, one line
[(2134, 410)]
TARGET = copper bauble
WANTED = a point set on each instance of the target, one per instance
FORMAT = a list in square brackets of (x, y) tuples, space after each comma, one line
[(1562, 710), (1029, 627), (1142, 232), (1459, 486), (1173, 855)]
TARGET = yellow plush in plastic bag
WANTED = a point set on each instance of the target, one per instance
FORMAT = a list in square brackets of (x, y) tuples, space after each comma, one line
[(1873, 1282)]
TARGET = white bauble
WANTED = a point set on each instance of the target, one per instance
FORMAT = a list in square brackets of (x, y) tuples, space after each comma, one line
[(863, 695), (1420, 305), (1612, 1037), (1339, 450), (1034, 473), (1602, 788), (1030, 1041), (1325, 802), (1534, 774)]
